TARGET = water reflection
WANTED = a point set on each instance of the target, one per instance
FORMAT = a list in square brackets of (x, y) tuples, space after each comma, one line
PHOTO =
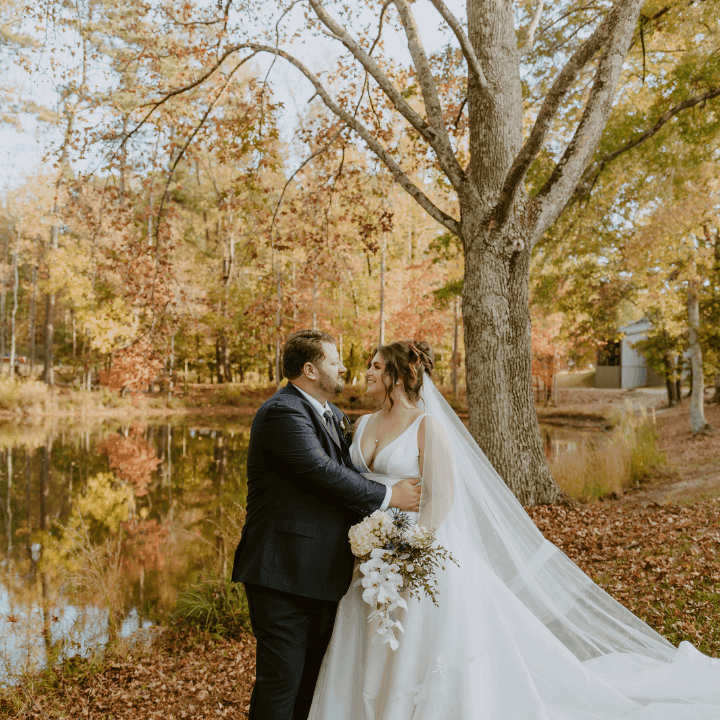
[(102, 526), (559, 440)]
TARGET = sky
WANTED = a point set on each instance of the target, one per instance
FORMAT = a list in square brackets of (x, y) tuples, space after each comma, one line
[(21, 149)]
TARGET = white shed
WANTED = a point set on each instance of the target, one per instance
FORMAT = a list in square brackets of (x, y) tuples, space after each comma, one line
[(620, 365)]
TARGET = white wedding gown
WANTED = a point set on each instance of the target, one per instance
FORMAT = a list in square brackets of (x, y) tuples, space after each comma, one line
[(484, 654)]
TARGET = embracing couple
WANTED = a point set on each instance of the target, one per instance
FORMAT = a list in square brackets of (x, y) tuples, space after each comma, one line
[(519, 632)]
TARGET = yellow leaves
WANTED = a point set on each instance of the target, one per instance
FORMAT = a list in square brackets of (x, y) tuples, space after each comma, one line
[(110, 329), (105, 502)]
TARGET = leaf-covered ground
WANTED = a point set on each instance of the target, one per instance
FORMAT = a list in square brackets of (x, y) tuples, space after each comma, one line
[(659, 561)]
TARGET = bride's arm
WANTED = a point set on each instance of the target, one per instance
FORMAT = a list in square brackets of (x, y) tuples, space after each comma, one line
[(437, 472)]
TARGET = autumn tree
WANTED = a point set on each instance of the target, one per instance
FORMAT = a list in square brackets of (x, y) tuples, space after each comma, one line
[(483, 160)]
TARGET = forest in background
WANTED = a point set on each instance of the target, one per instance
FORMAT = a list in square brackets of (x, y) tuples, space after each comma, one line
[(186, 219)]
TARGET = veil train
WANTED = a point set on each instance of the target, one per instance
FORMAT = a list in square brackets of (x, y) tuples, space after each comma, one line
[(486, 519)]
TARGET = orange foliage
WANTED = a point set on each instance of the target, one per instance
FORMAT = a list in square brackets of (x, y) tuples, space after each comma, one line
[(134, 367), (549, 352), (132, 458), (142, 543)]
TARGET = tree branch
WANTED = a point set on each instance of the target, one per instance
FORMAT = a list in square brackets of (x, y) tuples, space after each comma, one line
[(592, 173), (375, 71), (550, 106), (561, 184), (442, 146), (397, 172), (190, 139), (185, 88), (530, 34), (465, 44)]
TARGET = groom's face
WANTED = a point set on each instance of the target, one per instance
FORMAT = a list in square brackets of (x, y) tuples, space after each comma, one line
[(330, 371)]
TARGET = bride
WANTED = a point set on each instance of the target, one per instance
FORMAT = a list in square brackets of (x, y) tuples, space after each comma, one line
[(521, 633)]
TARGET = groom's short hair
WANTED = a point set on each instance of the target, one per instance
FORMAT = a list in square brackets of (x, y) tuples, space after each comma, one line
[(303, 346)]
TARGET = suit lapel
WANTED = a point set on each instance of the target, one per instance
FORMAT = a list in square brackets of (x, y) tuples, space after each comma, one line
[(338, 443), (343, 443)]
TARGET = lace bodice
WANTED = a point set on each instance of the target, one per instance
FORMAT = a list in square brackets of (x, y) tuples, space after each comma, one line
[(400, 459)]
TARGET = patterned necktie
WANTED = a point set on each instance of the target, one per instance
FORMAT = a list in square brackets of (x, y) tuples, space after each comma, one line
[(331, 425)]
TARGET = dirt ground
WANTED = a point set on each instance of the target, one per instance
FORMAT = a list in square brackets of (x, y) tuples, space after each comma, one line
[(692, 471)]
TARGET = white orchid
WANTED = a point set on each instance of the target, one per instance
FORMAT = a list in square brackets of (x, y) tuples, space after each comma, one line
[(384, 546)]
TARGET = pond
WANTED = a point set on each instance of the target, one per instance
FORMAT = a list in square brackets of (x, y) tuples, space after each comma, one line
[(118, 514)]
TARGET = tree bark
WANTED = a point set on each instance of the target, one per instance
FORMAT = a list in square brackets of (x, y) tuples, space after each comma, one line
[(496, 319), (669, 380), (697, 403), (15, 305), (48, 334), (456, 348), (33, 314), (3, 300), (381, 330)]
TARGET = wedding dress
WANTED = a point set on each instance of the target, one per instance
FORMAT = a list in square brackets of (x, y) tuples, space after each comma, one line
[(521, 633)]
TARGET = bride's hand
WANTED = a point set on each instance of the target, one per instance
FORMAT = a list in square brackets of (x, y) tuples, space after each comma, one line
[(406, 495)]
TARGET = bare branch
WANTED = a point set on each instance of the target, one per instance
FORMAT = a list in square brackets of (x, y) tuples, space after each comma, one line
[(442, 146), (397, 172), (181, 154), (465, 44), (591, 174), (374, 69), (530, 33), (385, 6), (550, 106), (323, 149), (179, 91), (567, 173)]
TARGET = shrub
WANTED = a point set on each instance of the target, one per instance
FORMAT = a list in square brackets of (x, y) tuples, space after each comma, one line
[(623, 459), (23, 394), (214, 604)]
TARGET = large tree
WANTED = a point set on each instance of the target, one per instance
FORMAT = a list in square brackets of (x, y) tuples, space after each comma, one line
[(509, 135)]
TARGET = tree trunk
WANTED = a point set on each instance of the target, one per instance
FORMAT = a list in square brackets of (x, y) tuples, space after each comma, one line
[(3, 300), (502, 413), (716, 396), (33, 314), (697, 403), (48, 334), (218, 360), (669, 380), (15, 306), (456, 347), (678, 379), (381, 333)]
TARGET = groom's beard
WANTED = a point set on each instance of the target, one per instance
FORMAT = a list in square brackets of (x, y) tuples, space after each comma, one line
[(328, 385)]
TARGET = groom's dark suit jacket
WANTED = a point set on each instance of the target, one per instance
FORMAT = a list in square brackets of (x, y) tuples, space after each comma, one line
[(304, 493)]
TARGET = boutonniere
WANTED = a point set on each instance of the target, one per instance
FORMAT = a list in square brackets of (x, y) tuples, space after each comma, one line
[(346, 429)]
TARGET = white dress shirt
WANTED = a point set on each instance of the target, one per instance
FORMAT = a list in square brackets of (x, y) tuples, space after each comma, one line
[(321, 409)]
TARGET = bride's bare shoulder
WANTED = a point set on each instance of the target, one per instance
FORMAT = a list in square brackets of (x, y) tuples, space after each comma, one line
[(360, 420)]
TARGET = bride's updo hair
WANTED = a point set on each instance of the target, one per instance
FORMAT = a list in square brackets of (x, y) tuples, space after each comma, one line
[(407, 361)]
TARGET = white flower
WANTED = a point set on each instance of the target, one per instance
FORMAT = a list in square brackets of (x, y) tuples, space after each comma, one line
[(410, 567)]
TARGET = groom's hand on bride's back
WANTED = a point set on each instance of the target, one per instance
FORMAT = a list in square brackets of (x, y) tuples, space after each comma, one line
[(406, 495)]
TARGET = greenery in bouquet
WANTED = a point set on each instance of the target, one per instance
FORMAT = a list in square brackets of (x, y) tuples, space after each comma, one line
[(395, 553)]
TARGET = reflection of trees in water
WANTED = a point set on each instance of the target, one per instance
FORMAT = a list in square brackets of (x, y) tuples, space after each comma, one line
[(155, 490)]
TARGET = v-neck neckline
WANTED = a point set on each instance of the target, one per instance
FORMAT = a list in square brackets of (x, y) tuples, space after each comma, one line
[(392, 442)]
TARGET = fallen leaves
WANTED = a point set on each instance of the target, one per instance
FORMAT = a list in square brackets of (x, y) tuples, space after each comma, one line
[(659, 561)]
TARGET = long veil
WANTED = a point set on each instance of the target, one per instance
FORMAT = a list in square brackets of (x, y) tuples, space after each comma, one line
[(490, 520)]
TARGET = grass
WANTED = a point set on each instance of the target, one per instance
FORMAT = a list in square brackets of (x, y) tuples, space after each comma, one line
[(213, 605), (607, 468)]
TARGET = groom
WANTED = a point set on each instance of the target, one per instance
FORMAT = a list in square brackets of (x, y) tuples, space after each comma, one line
[(304, 493)]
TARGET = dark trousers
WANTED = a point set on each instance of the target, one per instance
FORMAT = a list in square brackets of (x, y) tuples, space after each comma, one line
[(292, 634)]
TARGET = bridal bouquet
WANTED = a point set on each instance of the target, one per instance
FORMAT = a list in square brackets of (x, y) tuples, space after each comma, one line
[(395, 554)]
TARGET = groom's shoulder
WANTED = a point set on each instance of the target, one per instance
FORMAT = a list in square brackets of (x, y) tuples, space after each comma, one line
[(284, 398)]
